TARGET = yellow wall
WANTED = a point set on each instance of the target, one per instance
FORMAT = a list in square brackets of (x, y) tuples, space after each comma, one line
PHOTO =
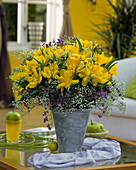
[(14, 62), (83, 12)]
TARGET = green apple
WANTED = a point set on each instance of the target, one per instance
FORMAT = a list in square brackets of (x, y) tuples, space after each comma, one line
[(53, 146), (13, 116), (94, 127), (101, 126)]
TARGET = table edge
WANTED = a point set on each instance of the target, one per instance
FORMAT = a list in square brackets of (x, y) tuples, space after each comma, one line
[(122, 140), (7, 164), (111, 167)]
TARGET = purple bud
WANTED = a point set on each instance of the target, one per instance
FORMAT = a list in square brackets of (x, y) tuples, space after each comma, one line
[(45, 119), (50, 43), (47, 45), (48, 126), (43, 44), (44, 113), (102, 105), (99, 116)]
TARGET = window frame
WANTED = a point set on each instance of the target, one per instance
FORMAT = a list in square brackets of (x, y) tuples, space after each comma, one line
[(53, 21)]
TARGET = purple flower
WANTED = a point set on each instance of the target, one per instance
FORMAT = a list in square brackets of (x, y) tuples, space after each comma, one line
[(58, 40), (50, 107), (47, 45), (103, 105), (48, 126), (21, 93), (45, 119), (99, 116), (44, 114), (43, 44), (50, 43)]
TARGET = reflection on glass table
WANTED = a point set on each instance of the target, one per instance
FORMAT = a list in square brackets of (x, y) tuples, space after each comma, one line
[(20, 155)]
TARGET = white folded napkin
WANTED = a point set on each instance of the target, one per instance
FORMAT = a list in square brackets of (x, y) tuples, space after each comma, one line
[(102, 149), (96, 150)]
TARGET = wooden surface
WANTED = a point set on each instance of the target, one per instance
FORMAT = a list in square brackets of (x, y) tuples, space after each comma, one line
[(9, 165), (122, 140), (113, 167)]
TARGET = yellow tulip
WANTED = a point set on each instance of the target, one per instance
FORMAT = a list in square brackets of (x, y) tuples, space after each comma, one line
[(31, 85), (113, 70), (38, 52), (100, 59), (54, 69), (17, 76), (65, 79), (72, 63), (71, 48), (46, 72)]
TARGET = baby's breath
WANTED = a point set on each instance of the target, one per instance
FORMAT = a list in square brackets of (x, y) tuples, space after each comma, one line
[(66, 75)]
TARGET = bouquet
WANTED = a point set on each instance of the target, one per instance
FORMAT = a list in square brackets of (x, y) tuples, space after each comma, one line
[(66, 75)]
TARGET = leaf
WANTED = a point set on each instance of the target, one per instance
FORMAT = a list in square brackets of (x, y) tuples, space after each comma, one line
[(102, 85), (118, 45), (75, 73), (68, 88), (113, 6), (38, 62), (35, 91), (111, 66), (80, 45), (45, 52), (111, 42), (114, 59), (19, 100)]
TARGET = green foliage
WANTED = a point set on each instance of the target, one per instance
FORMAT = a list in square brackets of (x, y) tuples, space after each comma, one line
[(80, 46), (11, 20), (118, 30), (37, 13)]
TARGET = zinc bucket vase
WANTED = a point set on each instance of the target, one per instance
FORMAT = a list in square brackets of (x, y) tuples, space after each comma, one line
[(70, 130)]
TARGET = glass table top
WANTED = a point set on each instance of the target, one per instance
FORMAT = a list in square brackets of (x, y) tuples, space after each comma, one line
[(21, 155)]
